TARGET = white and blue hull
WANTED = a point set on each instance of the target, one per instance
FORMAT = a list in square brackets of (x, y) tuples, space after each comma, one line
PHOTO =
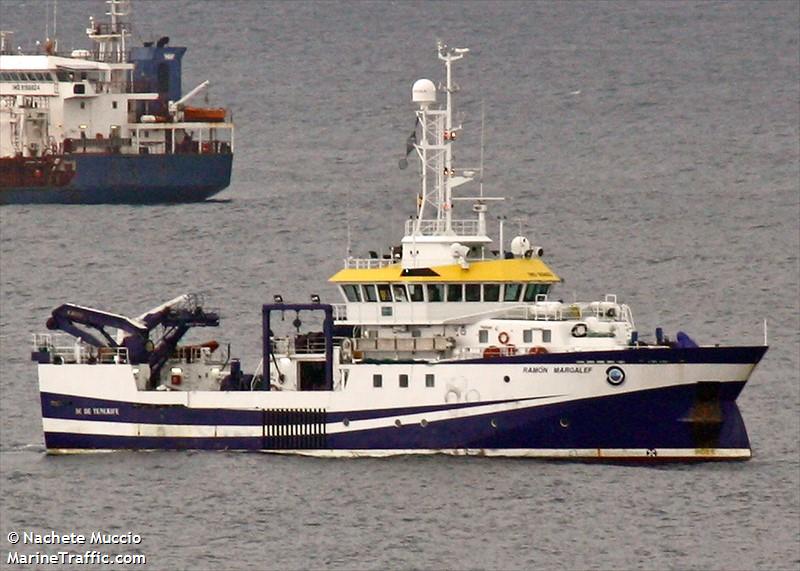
[(670, 404)]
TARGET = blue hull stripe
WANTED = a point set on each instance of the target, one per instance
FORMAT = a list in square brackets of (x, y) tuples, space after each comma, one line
[(658, 418), (693, 355)]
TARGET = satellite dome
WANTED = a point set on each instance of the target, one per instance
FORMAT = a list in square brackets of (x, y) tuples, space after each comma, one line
[(520, 245), (423, 92)]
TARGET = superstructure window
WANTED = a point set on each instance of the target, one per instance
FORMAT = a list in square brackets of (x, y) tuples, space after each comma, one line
[(415, 292), (384, 292), (369, 292), (435, 292), (527, 336), (429, 380), (351, 292), (454, 292), (377, 381), (472, 292), (547, 335), (79, 88), (399, 292), (512, 292), (403, 380), (483, 336), (491, 292)]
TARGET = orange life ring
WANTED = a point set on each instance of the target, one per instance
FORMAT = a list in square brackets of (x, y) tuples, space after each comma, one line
[(537, 350), (491, 351), (503, 338)]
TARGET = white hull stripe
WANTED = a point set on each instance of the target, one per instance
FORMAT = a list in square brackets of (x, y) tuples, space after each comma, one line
[(652, 454)]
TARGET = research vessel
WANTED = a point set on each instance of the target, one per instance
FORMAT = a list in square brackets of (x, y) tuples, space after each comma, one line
[(109, 124), (441, 345)]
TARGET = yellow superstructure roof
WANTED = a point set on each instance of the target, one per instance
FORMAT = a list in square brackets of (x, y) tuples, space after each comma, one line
[(511, 270)]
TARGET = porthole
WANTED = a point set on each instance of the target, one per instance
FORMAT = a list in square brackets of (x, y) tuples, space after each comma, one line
[(397, 423), (346, 422), (507, 379), (493, 423), (423, 423), (564, 422)]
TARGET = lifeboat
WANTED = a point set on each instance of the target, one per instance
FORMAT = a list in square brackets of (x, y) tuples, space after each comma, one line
[(204, 114)]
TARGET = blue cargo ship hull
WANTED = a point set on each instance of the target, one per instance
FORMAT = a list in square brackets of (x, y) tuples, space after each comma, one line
[(132, 179)]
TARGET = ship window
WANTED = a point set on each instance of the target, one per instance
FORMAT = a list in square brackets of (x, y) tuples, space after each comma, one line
[(377, 381), (454, 292), (384, 292), (435, 292), (512, 292), (79, 88), (386, 311), (369, 293), (83, 105), (533, 290), (527, 336), (14, 77), (62, 76), (399, 292), (351, 292), (83, 75), (491, 292), (113, 104), (472, 292), (483, 336), (403, 381), (415, 292), (429, 380), (547, 335)]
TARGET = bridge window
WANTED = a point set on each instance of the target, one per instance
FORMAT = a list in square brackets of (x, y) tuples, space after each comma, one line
[(377, 381), (399, 292), (435, 292), (512, 292), (351, 292), (384, 292), (403, 381), (491, 292), (472, 292), (454, 292), (369, 292), (79, 88), (533, 290), (415, 292)]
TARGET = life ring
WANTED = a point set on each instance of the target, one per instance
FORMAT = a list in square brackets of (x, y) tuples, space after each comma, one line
[(491, 352), (580, 330), (503, 338), (537, 350)]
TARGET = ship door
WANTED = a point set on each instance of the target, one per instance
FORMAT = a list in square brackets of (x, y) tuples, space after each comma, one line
[(311, 375)]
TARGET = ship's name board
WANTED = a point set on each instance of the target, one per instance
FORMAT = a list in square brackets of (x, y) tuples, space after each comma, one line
[(26, 87), (557, 369)]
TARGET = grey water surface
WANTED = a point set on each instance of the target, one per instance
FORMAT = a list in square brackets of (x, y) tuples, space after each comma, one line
[(651, 148)]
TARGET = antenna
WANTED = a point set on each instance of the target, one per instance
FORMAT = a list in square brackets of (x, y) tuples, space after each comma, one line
[(483, 120)]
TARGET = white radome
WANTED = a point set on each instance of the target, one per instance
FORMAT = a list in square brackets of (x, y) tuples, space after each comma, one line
[(423, 92)]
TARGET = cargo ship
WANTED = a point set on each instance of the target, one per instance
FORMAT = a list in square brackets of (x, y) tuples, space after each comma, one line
[(109, 124)]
